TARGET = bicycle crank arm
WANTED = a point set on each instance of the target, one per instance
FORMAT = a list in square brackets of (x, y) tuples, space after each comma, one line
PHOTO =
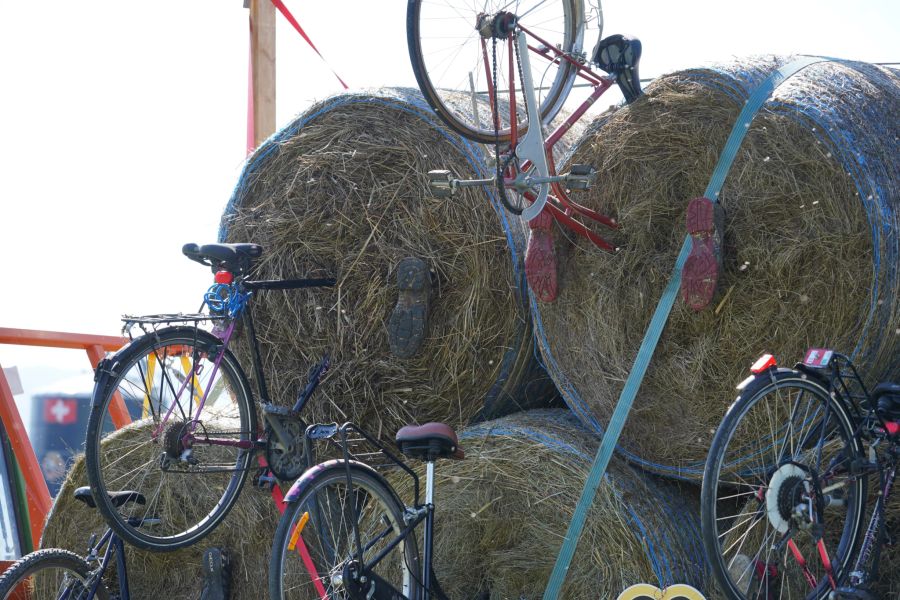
[(579, 178), (531, 146)]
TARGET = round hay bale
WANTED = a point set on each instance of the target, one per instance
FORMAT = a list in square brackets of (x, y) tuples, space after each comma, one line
[(342, 191), (501, 515), (246, 533), (811, 247)]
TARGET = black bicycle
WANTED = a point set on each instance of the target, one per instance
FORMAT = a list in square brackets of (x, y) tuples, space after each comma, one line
[(173, 416), (54, 573), (787, 477), (347, 534)]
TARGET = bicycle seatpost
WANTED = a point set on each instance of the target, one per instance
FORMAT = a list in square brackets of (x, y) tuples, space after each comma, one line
[(429, 525)]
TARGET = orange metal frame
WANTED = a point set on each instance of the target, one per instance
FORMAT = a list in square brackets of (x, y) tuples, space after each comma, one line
[(36, 491)]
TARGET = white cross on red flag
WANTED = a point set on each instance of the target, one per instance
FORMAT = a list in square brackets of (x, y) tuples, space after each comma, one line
[(60, 411)]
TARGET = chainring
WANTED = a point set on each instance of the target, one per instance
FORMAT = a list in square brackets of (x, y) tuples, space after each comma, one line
[(286, 463)]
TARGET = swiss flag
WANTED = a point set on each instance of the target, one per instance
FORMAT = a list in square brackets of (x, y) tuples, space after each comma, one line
[(60, 411)]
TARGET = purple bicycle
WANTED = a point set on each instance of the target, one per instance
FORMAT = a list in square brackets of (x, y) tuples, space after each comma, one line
[(173, 416)]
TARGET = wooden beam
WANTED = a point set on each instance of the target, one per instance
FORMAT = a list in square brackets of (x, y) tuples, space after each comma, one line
[(262, 57)]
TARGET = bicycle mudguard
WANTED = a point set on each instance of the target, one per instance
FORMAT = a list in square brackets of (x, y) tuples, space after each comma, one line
[(340, 465)]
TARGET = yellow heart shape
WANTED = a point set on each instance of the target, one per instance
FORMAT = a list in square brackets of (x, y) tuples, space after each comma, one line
[(645, 591)]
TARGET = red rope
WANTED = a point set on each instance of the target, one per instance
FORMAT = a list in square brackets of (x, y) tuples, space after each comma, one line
[(287, 15)]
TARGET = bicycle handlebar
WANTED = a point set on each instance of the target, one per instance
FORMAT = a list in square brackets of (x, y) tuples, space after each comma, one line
[(290, 284)]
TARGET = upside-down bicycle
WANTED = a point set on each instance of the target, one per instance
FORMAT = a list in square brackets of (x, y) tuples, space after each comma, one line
[(787, 478), (479, 51), (173, 416)]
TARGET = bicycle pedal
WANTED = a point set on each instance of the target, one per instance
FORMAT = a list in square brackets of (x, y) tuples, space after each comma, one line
[(441, 183), (265, 481), (280, 411), (580, 177), (322, 431)]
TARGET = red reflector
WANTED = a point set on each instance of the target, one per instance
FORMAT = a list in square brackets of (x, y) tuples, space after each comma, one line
[(764, 362), (224, 277), (892, 427)]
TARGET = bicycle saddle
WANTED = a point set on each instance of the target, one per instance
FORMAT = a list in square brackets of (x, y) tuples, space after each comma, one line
[(886, 396), (235, 258), (619, 55), (429, 442), (118, 498)]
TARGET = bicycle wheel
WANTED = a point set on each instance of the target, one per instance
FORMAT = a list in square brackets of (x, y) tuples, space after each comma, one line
[(314, 550), (778, 478), (51, 574), (188, 462), (454, 69)]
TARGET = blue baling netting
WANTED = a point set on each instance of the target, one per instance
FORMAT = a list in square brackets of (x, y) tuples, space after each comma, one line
[(852, 108), (673, 543)]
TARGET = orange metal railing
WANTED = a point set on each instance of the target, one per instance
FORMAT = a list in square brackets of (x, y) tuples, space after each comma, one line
[(36, 490)]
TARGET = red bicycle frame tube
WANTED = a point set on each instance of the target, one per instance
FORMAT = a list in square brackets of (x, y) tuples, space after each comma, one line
[(563, 213), (806, 572), (490, 84), (513, 119)]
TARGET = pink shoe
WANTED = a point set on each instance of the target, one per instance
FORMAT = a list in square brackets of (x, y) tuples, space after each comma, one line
[(540, 258), (705, 222)]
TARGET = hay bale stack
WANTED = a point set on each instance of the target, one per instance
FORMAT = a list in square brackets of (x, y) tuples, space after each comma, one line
[(503, 511), (342, 191), (246, 533), (811, 251)]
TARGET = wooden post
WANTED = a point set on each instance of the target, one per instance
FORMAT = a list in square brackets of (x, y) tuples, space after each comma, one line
[(262, 65)]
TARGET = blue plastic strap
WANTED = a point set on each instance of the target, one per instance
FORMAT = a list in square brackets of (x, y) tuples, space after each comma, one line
[(645, 353)]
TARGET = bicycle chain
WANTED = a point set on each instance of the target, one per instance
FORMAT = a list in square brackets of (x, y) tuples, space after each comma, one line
[(501, 186)]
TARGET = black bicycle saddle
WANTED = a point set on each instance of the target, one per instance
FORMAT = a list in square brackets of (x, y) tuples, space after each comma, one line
[(236, 258), (619, 55), (118, 498)]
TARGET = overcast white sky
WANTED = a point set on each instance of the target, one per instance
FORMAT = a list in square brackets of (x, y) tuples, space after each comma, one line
[(124, 125)]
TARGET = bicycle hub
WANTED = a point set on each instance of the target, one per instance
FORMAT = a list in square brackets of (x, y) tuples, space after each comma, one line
[(498, 26)]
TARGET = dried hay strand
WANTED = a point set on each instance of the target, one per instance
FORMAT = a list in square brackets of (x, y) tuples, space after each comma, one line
[(342, 191), (502, 512), (246, 534), (811, 247)]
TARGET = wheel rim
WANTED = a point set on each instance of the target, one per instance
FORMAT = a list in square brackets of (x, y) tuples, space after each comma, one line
[(449, 48), (165, 453), (319, 546), (778, 477), (49, 581)]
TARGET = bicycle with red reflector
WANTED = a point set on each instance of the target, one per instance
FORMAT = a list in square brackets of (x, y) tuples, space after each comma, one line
[(786, 482)]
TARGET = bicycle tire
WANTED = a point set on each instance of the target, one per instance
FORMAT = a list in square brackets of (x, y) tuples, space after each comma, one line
[(747, 482), (32, 577), (189, 486), (323, 486), (460, 18)]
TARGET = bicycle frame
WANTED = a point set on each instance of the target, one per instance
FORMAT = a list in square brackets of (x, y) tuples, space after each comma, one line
[(535, 152), (414, 516), (872, 431), (114, 545), (245, 291)]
